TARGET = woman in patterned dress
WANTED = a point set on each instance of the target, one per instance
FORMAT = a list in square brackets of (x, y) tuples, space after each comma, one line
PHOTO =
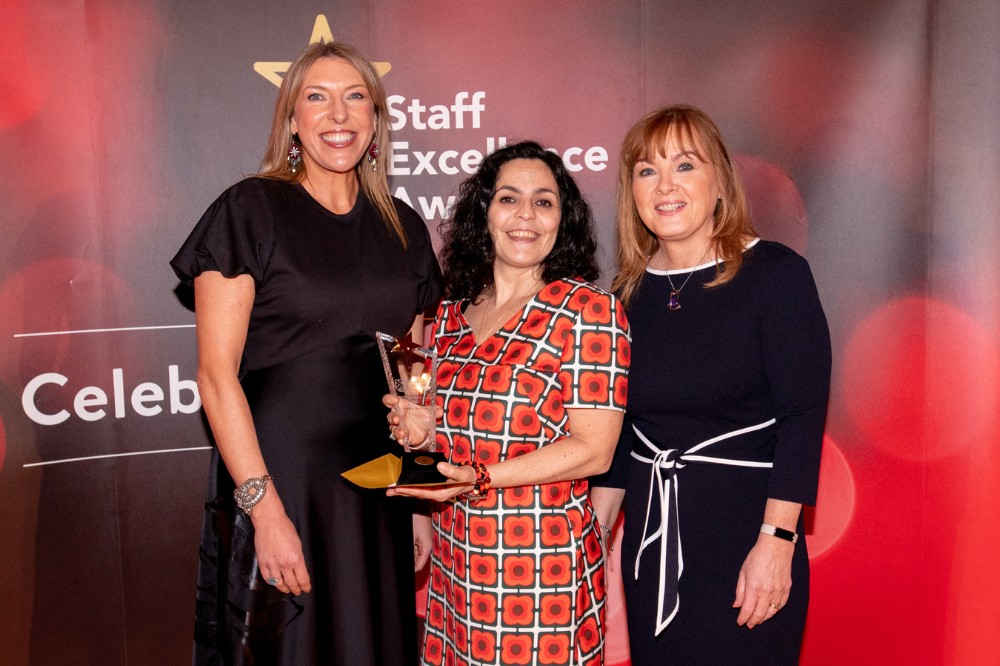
[(533, 377)]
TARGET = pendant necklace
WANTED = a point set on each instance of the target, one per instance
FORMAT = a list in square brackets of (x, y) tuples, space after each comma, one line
[(674, 303), (501, 319), (486, 333)]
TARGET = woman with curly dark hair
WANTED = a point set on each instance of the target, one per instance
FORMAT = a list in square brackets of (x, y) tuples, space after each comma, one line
[(468, 249), (533, 375)]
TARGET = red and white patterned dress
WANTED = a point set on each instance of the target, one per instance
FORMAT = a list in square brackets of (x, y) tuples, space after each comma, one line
[(519, 579)]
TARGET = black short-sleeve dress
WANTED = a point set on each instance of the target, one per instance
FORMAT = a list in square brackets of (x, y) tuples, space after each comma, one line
[(312, 375), (726, 407)]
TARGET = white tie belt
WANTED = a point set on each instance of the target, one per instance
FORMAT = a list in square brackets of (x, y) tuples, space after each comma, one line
[(663, 478)]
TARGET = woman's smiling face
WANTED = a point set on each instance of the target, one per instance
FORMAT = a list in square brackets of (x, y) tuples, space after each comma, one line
[(524, 214), (334, 116), (676, 191)]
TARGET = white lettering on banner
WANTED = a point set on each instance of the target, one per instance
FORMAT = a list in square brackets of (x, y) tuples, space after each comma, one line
[(595, 159), (406, 161), (434, 207), (90, 401), (470, 159), (441, 116), (431, 163)]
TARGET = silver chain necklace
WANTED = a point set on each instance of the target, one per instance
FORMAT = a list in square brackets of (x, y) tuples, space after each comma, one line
[(520, 302), (674, 303)]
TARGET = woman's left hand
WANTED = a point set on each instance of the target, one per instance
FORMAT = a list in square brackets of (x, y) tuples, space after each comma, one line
[(423, 540), (463, 480), (765, 581)]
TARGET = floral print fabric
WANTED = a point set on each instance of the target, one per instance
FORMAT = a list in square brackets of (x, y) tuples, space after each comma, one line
[(519, 578)]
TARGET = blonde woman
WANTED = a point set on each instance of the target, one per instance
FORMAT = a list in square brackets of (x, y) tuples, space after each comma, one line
[(293, 271)]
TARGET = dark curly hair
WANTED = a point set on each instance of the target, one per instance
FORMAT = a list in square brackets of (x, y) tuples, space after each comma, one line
[(468, 251)]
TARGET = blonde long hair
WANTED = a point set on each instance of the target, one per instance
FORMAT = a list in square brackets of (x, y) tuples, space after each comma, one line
[(691, 128), (373, 182)]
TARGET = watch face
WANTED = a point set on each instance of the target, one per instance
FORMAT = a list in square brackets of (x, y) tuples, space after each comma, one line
[(779, 532)]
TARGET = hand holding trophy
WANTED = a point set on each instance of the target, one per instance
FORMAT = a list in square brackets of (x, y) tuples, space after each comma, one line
[(411, 373)]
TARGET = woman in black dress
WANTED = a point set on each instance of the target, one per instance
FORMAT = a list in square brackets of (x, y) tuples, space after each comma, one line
[(728, 391), (293, 271)]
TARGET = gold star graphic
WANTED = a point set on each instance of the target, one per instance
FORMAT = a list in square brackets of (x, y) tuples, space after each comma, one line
[(273, 71)]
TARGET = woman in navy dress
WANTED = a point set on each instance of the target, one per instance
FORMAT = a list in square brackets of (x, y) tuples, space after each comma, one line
[(729, 383)]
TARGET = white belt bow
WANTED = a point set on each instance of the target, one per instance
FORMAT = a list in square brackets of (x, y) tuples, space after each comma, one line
[(663, 478)]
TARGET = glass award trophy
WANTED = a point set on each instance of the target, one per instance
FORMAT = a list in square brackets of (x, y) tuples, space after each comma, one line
[(411, 372)]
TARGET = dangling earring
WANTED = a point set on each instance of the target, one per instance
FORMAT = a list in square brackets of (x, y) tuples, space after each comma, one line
[(373, 152), (294, 153)]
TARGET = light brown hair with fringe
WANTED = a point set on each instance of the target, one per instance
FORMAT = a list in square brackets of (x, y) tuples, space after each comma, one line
[(373, 181), (694, 131)]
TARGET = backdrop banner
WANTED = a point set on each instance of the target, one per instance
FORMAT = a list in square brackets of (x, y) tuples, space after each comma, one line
[(867, 134)]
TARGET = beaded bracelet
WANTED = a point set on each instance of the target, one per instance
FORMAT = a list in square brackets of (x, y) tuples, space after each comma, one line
[(482, 485), (247, 500)]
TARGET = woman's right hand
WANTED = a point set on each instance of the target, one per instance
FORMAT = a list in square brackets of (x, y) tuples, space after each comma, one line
[(462, 481), (410, 424), (278, 547), (222, 317)]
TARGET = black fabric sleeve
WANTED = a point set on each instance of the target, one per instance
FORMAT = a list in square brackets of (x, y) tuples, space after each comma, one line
[(797, 358), (431, 287), (235, 236)]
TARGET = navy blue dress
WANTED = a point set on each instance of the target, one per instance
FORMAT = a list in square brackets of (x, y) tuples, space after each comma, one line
[(726, 407), (313, 378)]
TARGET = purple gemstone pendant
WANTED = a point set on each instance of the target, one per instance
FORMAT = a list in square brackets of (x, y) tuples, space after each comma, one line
[(675, 300)]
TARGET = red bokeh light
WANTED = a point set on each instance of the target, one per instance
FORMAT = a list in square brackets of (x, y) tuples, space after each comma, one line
[(776, 205), (835, 502), (921, 378), (24, 80)]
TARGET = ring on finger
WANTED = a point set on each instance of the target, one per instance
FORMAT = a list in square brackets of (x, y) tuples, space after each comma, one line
[(273, 581), (774, 606)]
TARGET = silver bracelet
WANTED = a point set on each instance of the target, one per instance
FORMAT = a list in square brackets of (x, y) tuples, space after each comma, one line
[(251, 492), (607, 535)]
